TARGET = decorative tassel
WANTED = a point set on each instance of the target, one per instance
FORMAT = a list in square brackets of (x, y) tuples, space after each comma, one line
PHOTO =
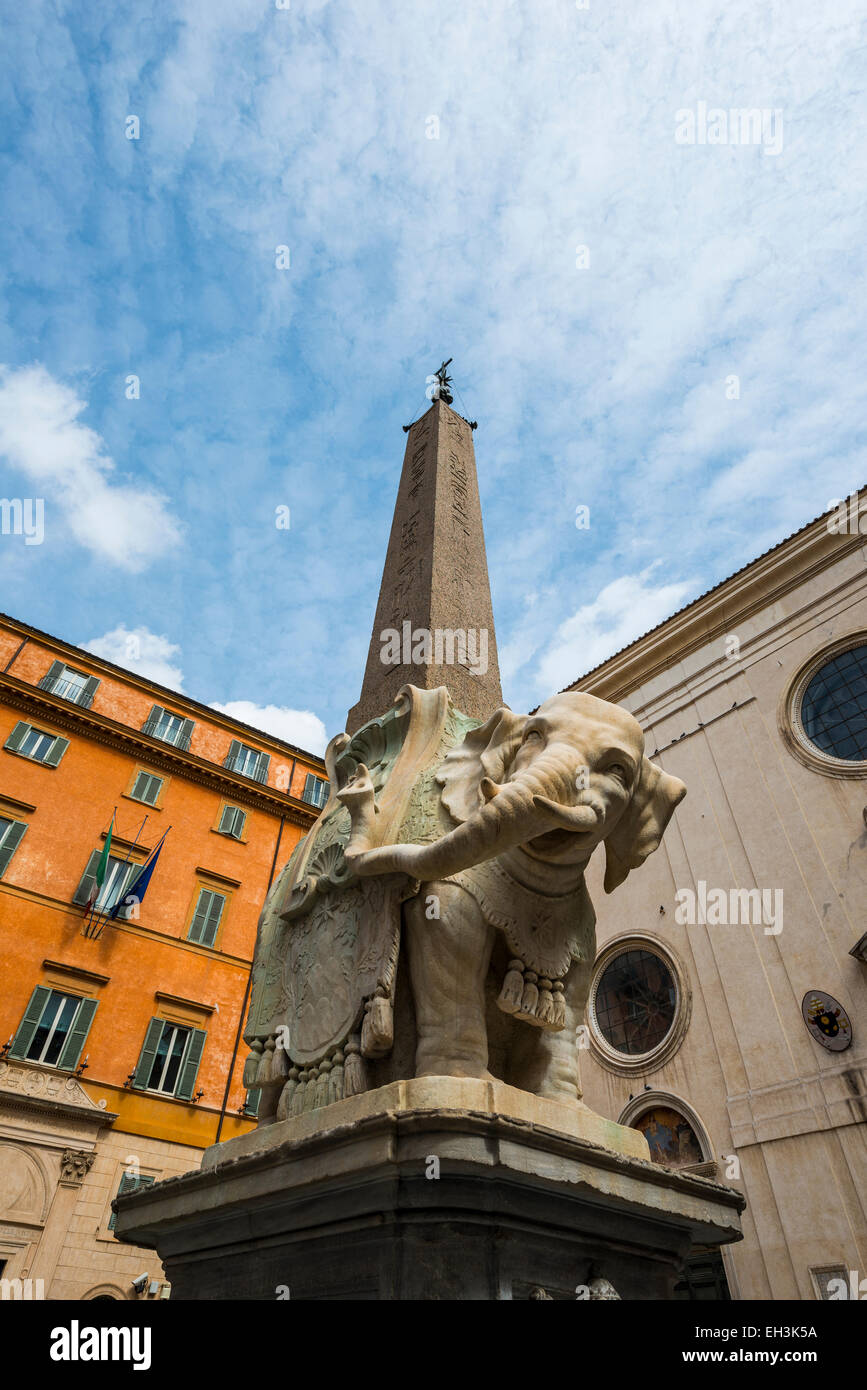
[(280, 1064), (335, 1080), (284, 1104), (298, 1097), (545, 1007), (530, 997), (513, 988), (558, 1020), (322, 1084), (310, 1090), (263, 1075), (377, 1031), (354, 1070), (251, 1066)]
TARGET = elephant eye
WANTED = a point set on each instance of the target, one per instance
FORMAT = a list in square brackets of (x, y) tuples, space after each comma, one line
[(618, 770), (532, 734)]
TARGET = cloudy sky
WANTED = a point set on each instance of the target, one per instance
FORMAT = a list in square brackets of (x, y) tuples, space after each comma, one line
[(646, 318)]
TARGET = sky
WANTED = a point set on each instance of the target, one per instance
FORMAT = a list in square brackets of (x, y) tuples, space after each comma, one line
[(237, 237)]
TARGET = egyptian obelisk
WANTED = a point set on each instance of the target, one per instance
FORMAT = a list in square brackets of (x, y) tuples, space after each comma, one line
[(434, 622)]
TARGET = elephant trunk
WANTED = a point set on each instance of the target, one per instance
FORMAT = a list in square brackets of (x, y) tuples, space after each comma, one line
[(516, 812)]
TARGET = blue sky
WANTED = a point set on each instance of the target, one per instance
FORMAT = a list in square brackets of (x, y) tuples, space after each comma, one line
[(598, 377)]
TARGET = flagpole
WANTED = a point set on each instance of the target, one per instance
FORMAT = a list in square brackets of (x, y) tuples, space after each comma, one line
[(90, 910), (103, 913), (151, 859)]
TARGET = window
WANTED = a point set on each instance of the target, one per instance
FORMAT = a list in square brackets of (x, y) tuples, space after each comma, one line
[(671, 1137), (11, 835), (206, 918), (119, 875), (635, 1002), (130, 1182), (36, 744), (315, 790), (54, 1028), (146, 787), (170, 1057), (72, 685), (251, 1105), (834, 706), (171, 728), (232, 822), (248, 761)]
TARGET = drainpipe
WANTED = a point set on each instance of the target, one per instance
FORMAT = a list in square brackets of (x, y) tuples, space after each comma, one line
[(243, 1014), (15, 655)]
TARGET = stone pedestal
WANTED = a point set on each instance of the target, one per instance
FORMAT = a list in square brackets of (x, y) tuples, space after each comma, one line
[(437, 1188)]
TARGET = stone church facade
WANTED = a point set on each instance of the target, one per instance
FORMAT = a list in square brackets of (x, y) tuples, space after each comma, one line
[(728, 1012)]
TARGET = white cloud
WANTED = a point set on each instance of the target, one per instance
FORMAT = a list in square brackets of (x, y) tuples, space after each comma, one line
[(299, 726), (140, 650), (622, 611), (40, 433)]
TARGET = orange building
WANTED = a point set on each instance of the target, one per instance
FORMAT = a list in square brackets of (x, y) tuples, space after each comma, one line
[(121, 1060)]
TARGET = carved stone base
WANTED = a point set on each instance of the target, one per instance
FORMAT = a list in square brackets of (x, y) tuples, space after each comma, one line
[(437, 1188)]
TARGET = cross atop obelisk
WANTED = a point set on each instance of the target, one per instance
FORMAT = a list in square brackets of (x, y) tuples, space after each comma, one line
[(434, 623)]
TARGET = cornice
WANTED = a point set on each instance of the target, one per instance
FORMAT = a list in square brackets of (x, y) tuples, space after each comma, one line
[(101, 729), (734, 600)]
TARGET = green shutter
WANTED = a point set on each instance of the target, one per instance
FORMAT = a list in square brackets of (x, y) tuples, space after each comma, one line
[(227, 821), (234, 749), (147, 788), (56, 752), (71, 1051), (206, 918), (14, 836), (152, 719), (17, 736), (51, 675), (261, 773), (28, 1025), (253, 1099), (240, 822), (130, 1183), (186, 734), (91, 685), (88, 879), (148, 1053), (190, 1069)]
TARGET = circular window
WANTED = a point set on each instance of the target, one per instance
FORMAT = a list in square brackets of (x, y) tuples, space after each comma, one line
[(638, 1008), (834, 706), (636, 1001)]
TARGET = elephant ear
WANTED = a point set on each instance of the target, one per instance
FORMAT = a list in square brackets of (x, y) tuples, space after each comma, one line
[(642, 825), (485, 752)]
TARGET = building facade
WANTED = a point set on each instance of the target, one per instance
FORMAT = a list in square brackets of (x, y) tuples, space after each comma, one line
[(728, 1010), (120, 1060)]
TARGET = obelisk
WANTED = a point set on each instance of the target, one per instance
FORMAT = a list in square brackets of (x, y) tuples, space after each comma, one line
[(434, 622)]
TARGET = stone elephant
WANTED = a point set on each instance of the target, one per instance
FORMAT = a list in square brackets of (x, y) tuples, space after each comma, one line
[(458, 849)]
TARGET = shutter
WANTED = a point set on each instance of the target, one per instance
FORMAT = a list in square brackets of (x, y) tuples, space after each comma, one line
[(309, 793), (186, 734), (240, 822), (190, 1069), (146, 788), (14, 836), (253, 1099), (234, 750), (206, 918), (227, 821), (71, 1051), (148, 1053), (91, 685), (51, 675), (17, 736), (56, 752), (28, 1025), (262, 768), (153, 719), (130, 1183), (88, 879)]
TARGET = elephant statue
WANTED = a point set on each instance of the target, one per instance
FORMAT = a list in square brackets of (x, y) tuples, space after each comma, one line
[(466, 844)]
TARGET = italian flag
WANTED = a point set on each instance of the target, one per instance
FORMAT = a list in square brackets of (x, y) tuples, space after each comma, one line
[(100, 871)]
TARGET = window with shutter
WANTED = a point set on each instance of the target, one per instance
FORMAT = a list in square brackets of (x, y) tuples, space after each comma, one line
[(28, 1025), (77, 1036), (206, 918), (315, 790), (36, 744), (54, 1028), (252, 1103), (145, 1063), (249, 762), (146, 788), (11, 835), (70, 684), (232, 821), (190, 1068), (130, 1182)]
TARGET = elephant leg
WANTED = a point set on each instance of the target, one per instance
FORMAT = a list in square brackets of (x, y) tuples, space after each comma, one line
[(546, 1063), (448, 963)]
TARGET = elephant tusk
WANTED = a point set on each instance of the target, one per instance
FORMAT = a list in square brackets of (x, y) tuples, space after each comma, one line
[(576, 818), (489, 788)]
